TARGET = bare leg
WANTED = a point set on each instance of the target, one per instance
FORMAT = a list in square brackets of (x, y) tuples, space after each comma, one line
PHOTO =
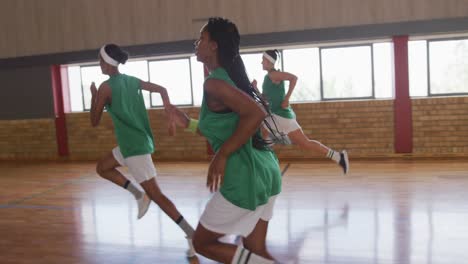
[(298, 138), (341, 158), (154, 192), (106, 168), (256, 241), (207, 244)]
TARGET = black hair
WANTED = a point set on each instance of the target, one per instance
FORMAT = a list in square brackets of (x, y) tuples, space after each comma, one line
[(226, 35), (273, 53), (116, 53)]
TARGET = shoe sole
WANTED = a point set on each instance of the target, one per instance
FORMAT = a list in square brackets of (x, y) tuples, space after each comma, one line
[(345, 154), (145, 210)]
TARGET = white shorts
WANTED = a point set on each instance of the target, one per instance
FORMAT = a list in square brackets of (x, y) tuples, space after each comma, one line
[(221, 216), (141, 167), (284, 125)]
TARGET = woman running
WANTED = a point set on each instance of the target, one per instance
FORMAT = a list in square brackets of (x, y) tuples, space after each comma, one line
[(244, 174), (283, 119), (122, 96)]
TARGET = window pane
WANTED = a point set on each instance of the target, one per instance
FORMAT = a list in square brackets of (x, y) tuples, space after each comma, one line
[(417, 60), (448, 66), (137, 69), (174, 75), (91, 74), (305, 64), (253, 67), (198, 77), (74, 84), (347, 72), (383, 70)]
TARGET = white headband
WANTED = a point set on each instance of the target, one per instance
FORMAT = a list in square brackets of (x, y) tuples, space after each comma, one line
[(107, 58), (269, 58)]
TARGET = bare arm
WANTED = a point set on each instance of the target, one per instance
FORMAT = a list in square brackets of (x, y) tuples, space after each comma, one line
[(155, 88), (99, 98), (250, 118), (250, 114), (254, 85), (277, 76), (182, 119)]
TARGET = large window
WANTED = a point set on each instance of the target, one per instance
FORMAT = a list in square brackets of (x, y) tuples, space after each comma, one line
[(324, 73), (438, 67), (174, 75), (198, 75), (179, 76), (337, 73), (383, 70), (90, 74), (417, 64), (305, 64), (448, 67), (253, 66), (347, 72)]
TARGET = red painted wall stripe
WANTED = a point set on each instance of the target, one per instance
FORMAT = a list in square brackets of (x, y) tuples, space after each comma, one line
[(402, 107), (60, 120)]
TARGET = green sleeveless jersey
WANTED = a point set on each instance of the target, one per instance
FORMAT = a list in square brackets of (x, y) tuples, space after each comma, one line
[(129, 115), (251, 176), (275, 94)]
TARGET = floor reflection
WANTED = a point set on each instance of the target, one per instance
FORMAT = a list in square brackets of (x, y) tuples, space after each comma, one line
[(381, 213)]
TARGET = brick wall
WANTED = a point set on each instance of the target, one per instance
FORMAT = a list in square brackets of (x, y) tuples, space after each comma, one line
[(364, 128), (88, 143), (440, 126), (28, 139)]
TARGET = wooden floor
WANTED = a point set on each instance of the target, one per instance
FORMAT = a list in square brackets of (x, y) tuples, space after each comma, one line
[(383, 212)]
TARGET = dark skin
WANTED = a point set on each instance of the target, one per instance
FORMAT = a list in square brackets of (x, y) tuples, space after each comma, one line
[(106, 167), (222, 97), (100, 98)]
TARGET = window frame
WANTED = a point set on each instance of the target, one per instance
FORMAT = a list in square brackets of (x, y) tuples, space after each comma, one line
[(428, 68), (372, 96), (191, 78)]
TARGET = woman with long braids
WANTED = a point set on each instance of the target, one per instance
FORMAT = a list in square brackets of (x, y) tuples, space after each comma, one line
[(244, 174)]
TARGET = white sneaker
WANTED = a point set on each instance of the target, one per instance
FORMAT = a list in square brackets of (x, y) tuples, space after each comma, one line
[(191, 251), (143, 205)]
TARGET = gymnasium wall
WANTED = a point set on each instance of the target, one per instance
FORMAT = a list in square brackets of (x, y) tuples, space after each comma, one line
[(440, 126), (26, 93), (28, 139), (56, 26), (62, 31), (88, 143), (364, 128)]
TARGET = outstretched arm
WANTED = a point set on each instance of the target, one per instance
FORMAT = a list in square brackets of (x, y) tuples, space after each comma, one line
[(277, 76), (155, 88)]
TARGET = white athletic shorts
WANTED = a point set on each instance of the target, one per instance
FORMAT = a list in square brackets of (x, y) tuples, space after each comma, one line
[(284, 125), (141, 167), (223, 217)]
